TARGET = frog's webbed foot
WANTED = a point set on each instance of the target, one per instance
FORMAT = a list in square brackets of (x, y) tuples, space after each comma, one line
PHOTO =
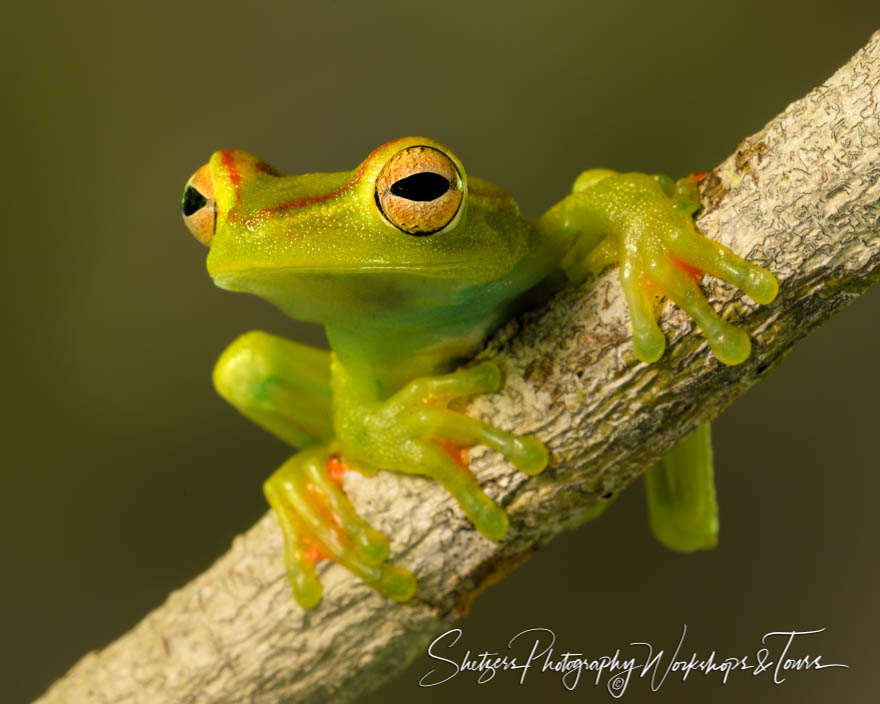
[(414, 432), (661, 254), (317, 520), (671, 262), (667, 256)]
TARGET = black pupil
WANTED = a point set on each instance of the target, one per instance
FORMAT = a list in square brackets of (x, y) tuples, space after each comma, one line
[(193, 201), (422, 186)]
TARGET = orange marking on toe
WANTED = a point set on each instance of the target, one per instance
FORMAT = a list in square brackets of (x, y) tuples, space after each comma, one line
[(314, 553), (458, 453), (688, 269), (314, 550), (336, 467), (699, 175), (650, 287)]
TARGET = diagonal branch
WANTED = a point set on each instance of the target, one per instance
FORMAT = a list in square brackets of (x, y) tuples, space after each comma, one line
[(801, 197)]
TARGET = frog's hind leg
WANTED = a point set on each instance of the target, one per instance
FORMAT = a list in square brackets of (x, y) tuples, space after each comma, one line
[(281, 385), (681, 495), (285, 388)]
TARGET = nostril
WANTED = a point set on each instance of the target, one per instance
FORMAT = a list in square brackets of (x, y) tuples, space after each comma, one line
[(193, 201)]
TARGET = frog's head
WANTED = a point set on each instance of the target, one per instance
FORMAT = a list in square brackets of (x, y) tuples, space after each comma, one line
[(403, 232)]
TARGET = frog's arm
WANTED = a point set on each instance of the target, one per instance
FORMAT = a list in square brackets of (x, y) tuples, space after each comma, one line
[(414, 432), (644, 223), (681, 495), (284, 387)]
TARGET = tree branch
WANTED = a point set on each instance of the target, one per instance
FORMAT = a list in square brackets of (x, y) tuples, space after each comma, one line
[(801, 197)]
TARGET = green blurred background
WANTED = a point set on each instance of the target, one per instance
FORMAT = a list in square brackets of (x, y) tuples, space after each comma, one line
[(124, 475)]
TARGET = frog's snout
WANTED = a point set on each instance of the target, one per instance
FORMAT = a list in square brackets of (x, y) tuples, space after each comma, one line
[(199, 209)]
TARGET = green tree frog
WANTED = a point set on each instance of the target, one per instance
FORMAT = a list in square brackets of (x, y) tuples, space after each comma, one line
[(409, 264)]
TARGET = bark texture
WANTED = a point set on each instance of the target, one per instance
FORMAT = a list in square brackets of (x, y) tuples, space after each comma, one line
[(801, 197)]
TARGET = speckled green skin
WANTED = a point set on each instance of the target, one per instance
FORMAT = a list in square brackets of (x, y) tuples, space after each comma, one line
[(402, 311)]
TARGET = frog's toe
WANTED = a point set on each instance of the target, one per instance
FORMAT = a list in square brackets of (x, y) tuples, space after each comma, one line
[(487, 517), (701, 253), (527, 454), (306, 588), (482, 378), (685, 195), (299, 556), (394, 582), (370, 545), (648, 342), (299, 561), (389, 580), (437, 462), (730, 344), (759, 284), (490, 520)]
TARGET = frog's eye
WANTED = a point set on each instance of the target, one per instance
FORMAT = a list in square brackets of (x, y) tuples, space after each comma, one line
[(419, 191), (197, 203)]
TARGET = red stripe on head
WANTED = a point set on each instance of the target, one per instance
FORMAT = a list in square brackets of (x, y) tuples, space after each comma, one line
[(229, 165), (311, 200)]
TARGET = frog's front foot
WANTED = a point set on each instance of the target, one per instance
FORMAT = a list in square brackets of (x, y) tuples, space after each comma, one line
[(317, 521), (414, 432), (662, 254), (669, 258)]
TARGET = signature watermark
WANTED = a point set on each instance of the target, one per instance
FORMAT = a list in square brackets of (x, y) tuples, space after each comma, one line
[(782, 654)]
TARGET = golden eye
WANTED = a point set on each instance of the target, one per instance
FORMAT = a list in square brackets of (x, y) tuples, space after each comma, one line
[(197, 204), (419, 190)]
